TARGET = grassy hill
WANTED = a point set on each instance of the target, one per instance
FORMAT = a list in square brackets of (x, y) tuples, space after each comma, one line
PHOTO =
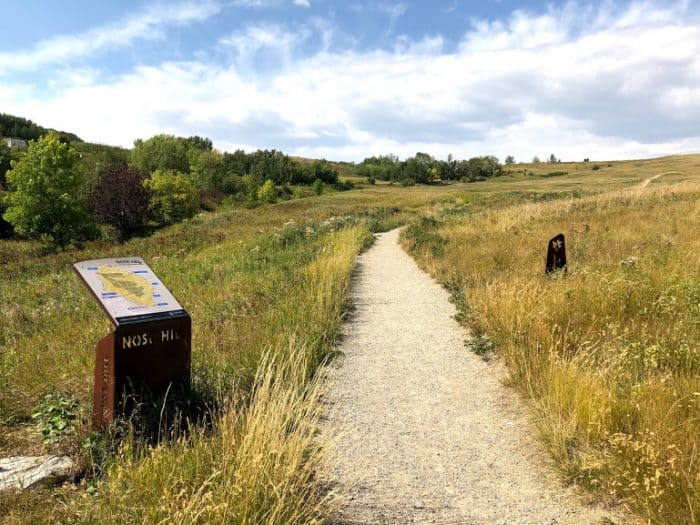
[(607, 355)]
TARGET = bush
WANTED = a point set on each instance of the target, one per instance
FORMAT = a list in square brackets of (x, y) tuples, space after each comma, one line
[(267, 192), (173, 197), (318, 186), (406, 181), (121, 200)]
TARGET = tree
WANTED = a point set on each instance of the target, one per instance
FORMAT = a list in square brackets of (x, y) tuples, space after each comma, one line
[(509, 160), (208, 170), (173, 197), (47, 196), (201, 143), (162, 152), (552, 159), (535, 160), (318, 186), (121, 200)]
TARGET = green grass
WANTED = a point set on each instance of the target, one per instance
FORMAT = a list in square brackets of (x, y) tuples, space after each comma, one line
[(266, 288)]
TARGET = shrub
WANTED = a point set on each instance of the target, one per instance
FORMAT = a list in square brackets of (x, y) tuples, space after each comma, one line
[(267, 192), (345, 185), (121, 200), (406, 181), (318, 186), (173, 197)]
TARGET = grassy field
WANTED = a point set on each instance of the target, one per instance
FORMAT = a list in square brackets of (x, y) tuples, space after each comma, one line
[(604, 353), (266, 289), (609, 353)]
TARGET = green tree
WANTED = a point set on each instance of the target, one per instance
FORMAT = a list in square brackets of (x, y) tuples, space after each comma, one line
[(163, 152), (173, 197), (318, 186), (267, 192), (509, 160), (208, 170), (47, 198)]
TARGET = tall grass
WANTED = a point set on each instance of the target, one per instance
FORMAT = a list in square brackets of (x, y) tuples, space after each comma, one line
[(266, 302), (256, 467), (609, 353)]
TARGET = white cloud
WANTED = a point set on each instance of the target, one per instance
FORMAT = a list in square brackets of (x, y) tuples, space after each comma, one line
[(148, 24), (302, 3), (528, 85)]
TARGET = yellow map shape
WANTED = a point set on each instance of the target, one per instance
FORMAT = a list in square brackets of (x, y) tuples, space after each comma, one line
[(132, 287)]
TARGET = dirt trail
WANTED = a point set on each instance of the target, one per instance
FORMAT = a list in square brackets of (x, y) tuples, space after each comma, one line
[(646, 182), (421, 429)]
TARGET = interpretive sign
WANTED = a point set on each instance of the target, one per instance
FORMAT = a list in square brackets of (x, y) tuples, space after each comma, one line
[(128, 290), (149, 350), (556, 254)]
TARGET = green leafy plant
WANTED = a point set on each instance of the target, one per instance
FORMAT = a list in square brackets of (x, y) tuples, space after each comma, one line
[(47, 198), (55, 417)]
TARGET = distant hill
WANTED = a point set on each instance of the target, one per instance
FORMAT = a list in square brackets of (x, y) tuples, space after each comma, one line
[(22, 128), (344, 169)]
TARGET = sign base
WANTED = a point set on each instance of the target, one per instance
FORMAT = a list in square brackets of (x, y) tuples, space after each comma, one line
[(151, 356)]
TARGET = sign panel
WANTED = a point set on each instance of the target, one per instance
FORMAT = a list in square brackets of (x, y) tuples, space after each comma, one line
[(128, 290)]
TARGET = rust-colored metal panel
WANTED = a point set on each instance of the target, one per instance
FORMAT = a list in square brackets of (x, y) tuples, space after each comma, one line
[(556, 254), (104, 393), (137, 358)]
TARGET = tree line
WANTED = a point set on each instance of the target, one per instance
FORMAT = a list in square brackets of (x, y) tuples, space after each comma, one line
[(424, 169), (67, 193), (22, 128)]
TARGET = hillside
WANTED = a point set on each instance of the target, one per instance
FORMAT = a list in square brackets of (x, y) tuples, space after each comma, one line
[(19, 127)]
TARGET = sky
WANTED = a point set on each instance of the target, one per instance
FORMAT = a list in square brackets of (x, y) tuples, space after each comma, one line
[(345, 80)]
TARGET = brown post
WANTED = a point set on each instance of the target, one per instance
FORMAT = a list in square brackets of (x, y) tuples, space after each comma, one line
[(556, 254)]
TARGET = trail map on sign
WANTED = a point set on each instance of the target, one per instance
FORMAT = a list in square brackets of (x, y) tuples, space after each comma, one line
[(127, 288)]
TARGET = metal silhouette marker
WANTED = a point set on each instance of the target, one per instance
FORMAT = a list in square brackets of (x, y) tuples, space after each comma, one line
[(556, 254), (149, 349)]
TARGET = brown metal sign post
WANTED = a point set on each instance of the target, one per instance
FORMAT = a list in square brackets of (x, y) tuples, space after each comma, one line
[(556, 254), (149, 349)]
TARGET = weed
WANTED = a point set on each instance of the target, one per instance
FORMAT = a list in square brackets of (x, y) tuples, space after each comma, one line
[(55, 417)]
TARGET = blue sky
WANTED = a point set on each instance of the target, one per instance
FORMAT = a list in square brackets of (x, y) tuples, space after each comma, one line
[(345, 80)]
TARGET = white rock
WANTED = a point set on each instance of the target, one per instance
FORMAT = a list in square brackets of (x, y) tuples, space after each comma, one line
[(21, 472)]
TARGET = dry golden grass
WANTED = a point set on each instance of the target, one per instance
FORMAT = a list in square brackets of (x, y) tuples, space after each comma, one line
[(610, 352)]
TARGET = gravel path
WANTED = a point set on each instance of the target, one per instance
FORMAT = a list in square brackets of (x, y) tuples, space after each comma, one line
[(420, 429)]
